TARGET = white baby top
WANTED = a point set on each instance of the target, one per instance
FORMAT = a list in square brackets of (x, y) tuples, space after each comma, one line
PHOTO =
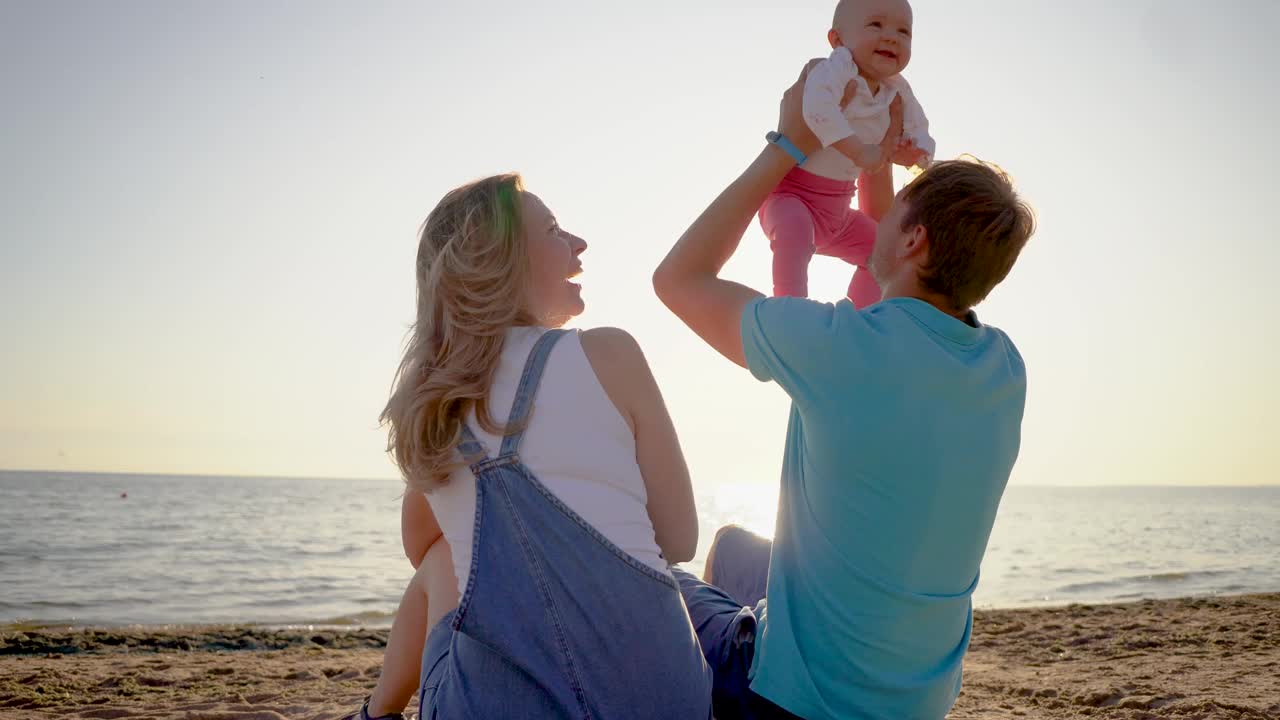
[(576, 443), (866, 115)]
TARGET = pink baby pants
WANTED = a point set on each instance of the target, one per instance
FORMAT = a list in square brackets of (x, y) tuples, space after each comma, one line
[(808, 213)]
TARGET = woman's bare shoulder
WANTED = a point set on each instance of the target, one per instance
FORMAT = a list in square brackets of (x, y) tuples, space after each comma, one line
[(610, 344), (620, 366)]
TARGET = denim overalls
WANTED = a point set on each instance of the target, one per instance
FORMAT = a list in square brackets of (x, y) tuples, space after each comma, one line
[(555, 620)]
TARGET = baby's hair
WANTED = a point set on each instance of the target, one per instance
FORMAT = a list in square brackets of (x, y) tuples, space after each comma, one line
[(841, 8)]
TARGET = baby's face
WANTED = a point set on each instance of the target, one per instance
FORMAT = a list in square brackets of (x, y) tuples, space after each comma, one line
[(877, 32)]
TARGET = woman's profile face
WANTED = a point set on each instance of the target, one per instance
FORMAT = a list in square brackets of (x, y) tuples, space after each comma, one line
[(553, 260)]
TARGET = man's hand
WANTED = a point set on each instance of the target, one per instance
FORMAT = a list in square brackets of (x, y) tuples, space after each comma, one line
[(867, 156), (791, 122), (874, 157), (688, 281), (908, 155), (893, 136), (850, 92)]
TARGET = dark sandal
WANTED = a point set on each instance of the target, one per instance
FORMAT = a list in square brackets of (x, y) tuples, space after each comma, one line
[(363, 714)]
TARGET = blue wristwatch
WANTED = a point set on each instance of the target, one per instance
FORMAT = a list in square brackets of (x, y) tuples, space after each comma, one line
[(781, 141)]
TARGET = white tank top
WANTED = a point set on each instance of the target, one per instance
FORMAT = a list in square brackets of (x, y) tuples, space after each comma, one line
[(576, 443)]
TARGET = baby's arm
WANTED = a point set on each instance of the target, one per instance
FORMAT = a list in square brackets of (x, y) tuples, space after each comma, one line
[(823, 90), (917, 147), (824, 95)]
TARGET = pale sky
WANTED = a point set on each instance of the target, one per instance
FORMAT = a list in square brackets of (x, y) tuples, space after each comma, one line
[(208, 214)]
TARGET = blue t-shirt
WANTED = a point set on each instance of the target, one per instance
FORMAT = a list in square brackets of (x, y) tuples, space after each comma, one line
[(905, 424)]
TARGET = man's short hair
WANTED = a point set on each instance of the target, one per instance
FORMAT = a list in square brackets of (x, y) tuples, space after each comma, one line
[(976, 225)]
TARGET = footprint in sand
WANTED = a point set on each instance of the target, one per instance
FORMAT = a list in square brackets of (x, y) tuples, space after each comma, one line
[(107, 713), (341, 674), (255, 714)]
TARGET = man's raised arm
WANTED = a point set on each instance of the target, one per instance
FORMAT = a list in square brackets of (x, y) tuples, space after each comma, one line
[(688, 281)]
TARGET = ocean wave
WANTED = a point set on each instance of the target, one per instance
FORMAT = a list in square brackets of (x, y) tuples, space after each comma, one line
[(1072, 571), (167, 527), (266, 602), (24, 624), (367, 617), (20, 555), (65, 604), (1165, 578), (344, 551)]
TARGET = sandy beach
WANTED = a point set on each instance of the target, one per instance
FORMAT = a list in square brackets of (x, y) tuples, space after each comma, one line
[(1193, 659)]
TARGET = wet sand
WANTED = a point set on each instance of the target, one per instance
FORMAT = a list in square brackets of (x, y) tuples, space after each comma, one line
[(1193, 659)]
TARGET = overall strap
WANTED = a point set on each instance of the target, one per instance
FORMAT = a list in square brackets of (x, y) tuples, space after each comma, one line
[(528, 387), (470, 447)]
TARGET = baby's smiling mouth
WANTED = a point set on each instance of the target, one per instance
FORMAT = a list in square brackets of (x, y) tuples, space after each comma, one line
[(887, 53)]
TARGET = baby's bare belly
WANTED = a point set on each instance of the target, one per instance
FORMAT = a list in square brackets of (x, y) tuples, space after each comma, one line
[(832, 164)]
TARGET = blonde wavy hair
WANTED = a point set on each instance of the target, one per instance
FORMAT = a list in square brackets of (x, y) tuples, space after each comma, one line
[(472, 275)]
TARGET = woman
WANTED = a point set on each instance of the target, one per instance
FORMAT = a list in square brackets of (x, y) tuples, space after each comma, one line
[(548, 528)]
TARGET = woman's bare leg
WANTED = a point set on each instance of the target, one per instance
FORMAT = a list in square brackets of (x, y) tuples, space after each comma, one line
[(402, 662)]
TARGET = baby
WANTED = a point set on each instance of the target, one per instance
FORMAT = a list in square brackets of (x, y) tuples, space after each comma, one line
[(846, 104)]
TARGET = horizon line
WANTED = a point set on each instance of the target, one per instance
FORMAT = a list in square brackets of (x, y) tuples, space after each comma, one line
[(107, 473)]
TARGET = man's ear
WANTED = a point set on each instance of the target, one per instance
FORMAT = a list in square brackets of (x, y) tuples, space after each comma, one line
[(917, 243)]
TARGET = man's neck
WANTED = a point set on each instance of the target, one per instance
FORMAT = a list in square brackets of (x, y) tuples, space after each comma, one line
[(941, 303)]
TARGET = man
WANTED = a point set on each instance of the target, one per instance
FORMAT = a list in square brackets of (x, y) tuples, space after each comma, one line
[(905, 424)]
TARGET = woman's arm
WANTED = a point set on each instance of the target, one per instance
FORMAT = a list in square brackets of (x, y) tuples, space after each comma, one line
[(418, 527), (624, 373)]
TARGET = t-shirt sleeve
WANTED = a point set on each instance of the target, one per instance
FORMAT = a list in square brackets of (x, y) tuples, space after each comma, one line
[(791, 341)]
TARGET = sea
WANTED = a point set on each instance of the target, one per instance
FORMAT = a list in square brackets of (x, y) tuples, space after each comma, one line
[(112, 550)]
